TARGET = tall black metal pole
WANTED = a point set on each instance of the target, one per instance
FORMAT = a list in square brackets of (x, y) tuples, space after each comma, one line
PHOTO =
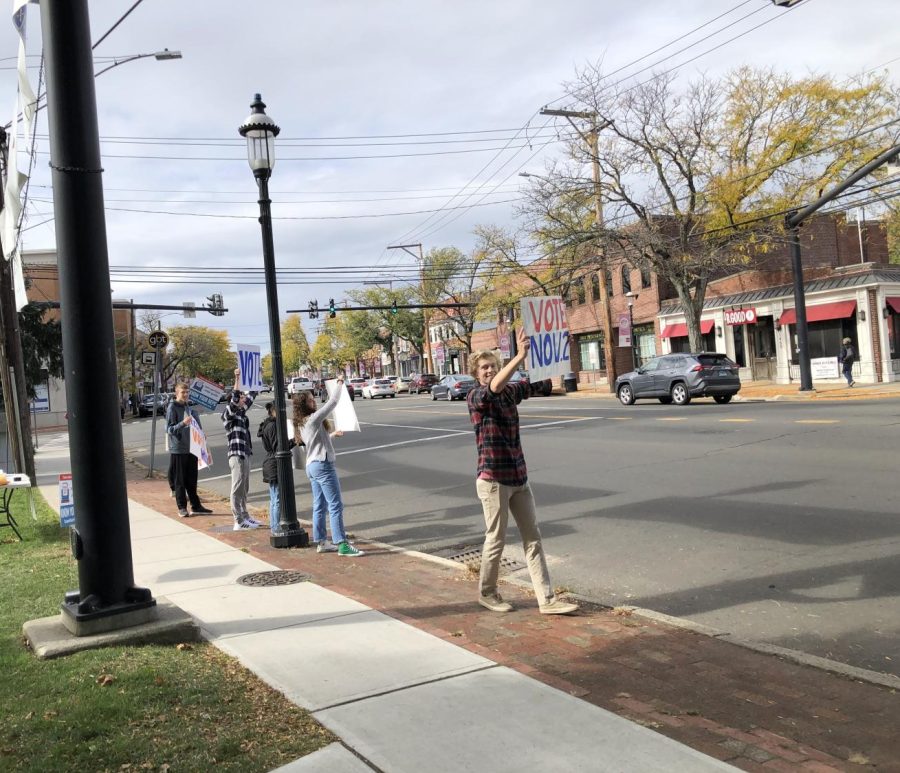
[(101, 538), (799, 307), (289, 533)]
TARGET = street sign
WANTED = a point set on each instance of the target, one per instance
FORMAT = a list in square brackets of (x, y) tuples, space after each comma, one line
[(158, 339), (148, 358)]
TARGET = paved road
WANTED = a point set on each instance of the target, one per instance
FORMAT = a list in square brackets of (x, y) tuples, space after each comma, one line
[(777, 522)]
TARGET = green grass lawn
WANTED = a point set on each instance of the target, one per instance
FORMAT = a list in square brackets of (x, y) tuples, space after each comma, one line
[(156, 708)]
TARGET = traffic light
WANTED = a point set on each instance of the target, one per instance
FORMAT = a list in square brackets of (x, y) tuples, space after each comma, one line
[(394, 307), (313, 309), (216, 304), (332, 312)]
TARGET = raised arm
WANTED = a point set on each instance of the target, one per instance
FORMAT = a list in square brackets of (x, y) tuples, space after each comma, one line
[(523, 343)]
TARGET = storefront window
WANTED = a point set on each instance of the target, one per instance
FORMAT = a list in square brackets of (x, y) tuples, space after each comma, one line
[(824, 338), (592, 354), (740, 350), (645, 343), (683, 343), (893, 327)]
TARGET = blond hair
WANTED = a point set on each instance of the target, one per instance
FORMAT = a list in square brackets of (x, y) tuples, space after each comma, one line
[(483, 354)]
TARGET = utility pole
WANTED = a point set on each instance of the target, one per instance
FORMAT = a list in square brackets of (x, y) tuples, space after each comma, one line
[(792, 222), (592, 139), (426, 339), (12, 359)]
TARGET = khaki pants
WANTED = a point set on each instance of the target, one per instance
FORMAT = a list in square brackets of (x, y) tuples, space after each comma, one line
[(498, 501)]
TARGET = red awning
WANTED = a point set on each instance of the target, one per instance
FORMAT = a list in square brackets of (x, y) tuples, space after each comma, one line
[(894, 303), (823, 311), (679, 329)]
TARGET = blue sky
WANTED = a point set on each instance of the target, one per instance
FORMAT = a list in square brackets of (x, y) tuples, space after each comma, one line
[(471, 75)]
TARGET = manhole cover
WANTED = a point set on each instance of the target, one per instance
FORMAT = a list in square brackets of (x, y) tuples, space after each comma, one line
[(473, 557), (265, 579)]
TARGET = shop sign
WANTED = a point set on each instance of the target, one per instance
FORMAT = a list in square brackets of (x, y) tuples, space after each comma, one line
[(740, 316)]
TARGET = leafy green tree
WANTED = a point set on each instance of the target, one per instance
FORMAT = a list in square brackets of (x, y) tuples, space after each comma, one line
[(197, 350), (41, 346), (294, 344), (688, 174)]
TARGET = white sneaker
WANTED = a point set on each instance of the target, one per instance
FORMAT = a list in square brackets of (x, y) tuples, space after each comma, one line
[(252, 521), (326, 547), (244, 525)]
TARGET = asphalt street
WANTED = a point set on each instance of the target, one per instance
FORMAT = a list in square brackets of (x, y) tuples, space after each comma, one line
[(777, 522)]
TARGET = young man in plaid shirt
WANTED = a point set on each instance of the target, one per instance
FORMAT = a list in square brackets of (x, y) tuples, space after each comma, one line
[(502, 480), (237, 431)]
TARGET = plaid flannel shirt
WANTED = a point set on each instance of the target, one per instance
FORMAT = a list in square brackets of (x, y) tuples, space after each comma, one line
[(496, 421), (237, 427)]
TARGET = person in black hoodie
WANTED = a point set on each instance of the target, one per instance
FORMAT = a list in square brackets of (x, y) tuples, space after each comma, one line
[(847, 358), (268, 433)]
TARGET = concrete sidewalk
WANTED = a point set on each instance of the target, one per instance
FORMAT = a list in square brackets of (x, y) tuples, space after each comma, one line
[(391, 653), (400, 698)]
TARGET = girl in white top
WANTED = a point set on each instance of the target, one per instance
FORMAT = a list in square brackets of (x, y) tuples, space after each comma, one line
[(313, 428)]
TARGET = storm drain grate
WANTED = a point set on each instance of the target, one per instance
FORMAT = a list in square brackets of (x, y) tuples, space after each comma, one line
[(473, 557), (266, 579)]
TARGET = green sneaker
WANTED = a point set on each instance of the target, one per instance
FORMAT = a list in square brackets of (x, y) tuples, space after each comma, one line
[(346, 549)]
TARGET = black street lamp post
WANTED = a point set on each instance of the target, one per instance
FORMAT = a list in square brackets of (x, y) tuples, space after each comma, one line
[(631, 299), (260, 132)]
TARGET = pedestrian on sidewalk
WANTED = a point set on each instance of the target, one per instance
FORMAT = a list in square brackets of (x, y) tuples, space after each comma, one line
[(181, 461), (268, 433), (240, 449), (313, 428), (502, 478), (847, 357)]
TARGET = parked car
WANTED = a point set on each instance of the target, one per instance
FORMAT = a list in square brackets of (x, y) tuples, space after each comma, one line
[(358, 384), (544, 387), (300, 384), (401, 384), (453, 387), (145, 406), (379, 387), (423, 383), (676, 378)]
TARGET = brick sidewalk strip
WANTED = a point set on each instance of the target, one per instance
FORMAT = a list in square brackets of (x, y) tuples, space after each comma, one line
[(755, 711)]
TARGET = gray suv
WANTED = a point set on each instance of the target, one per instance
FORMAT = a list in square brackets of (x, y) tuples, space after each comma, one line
[(676, 378)]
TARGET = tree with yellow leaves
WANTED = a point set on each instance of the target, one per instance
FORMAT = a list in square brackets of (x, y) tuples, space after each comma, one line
[(695, 180)]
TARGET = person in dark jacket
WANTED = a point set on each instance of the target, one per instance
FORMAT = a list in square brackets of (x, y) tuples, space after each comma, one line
[(268, 433), (183, 462), (847, 358)]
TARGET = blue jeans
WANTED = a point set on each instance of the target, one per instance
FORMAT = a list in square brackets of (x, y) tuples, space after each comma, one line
[(274, 506), (326, 499), (848, 372)]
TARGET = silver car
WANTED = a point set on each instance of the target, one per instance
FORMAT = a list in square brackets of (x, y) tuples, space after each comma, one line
[(676, 378)]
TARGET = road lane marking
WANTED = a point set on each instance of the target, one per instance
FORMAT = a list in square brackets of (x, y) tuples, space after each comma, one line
[(400, 443), (737, 421), (565, 421), (413, 426), (817, 421), (672, 418)]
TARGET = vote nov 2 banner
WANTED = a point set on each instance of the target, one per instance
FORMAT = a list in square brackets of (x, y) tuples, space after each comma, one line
[(547, 328)]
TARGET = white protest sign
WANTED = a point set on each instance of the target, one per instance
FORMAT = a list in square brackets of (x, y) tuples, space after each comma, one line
[(547, 326), (250, 364), (344, 414), (198, 445)]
